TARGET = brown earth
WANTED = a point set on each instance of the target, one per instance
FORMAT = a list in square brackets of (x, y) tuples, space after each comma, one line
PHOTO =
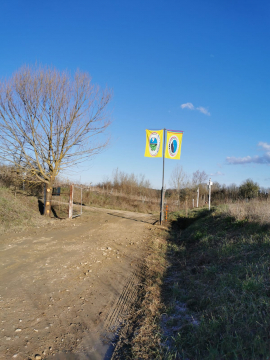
[(65, 288)]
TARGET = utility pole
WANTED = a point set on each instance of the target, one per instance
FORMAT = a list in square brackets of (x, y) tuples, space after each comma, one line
[(198, 194)]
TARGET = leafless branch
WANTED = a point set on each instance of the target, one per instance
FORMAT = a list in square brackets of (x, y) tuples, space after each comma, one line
[(50, 120)]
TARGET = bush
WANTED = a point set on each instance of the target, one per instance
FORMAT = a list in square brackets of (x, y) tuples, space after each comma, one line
[(249, 189)]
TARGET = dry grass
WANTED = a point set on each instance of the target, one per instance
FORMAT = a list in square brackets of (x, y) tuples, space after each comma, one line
[(119, 202), (253, 210), (18, 213)]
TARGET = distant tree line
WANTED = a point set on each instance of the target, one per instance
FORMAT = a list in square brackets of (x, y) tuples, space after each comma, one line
[(247, 190), (184, 188), (128, 184)]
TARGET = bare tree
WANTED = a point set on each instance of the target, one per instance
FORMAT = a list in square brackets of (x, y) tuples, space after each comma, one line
[(199, 177), (198, 182), (49, 121), (178, 180)]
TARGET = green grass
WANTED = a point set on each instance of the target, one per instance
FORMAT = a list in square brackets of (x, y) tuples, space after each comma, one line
[(219, 273)]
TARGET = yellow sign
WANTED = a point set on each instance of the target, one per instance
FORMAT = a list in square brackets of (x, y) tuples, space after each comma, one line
[(154, 143), (173, 146)]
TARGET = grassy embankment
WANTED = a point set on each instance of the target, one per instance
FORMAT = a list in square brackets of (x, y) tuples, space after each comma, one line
[(17, 213), (207, 287)]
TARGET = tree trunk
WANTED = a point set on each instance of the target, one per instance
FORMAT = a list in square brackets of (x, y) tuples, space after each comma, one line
[(48, 200)]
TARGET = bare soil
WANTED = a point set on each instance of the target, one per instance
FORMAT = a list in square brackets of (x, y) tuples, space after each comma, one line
[(65, 288)]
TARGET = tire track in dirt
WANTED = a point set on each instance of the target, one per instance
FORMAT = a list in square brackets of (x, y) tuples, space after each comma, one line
[(121, 309)]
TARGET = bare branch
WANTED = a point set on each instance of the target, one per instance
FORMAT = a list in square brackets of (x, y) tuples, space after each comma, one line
[(50, 120)]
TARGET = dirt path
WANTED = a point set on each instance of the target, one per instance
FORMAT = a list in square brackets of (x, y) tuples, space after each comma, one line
[(65, 287)]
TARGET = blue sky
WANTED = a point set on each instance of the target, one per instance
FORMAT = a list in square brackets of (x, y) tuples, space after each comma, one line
[(197, 66)]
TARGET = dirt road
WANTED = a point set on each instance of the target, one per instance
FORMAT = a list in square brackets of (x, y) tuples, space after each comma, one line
[(66, 287)]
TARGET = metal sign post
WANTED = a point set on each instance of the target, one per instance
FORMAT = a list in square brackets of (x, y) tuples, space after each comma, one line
[(162, 190), (209, 186), (174, 151)]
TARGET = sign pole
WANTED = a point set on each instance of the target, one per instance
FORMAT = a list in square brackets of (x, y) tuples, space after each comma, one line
[(210, 184), (162, 189)]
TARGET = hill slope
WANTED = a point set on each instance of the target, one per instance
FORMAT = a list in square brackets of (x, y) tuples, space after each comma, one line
[(20, 212)]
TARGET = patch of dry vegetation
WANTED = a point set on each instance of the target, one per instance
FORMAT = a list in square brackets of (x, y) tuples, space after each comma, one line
[(253, 210), (120, 202), (17, 213)]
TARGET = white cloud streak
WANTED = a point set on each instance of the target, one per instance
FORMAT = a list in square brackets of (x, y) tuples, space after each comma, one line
[(190, 106), (203, 110), (263, 159), (264, 145), (218, 173)]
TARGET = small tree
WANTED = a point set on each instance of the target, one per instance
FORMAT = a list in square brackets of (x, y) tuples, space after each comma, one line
[(178, 180), (198, 181), (199, 177), (49, 121), (249, 189), (233, 191)]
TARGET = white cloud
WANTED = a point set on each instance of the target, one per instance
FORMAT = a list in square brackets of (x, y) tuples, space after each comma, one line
[(188, 106), (203, 110), (218, 173), (234, 160), (263, 159), (264, 145)]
